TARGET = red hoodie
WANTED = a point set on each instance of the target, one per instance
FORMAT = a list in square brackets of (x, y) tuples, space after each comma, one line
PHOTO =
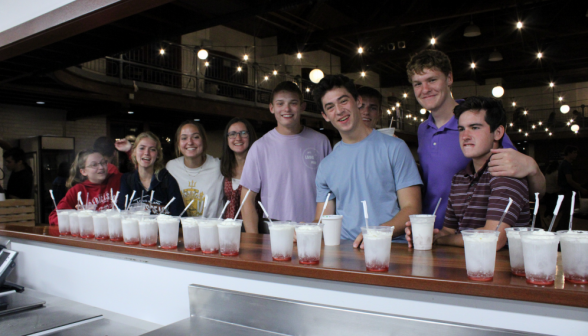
[(99, 194)]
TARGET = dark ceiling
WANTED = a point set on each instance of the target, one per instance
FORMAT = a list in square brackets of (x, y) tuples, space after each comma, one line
[(559, 29)]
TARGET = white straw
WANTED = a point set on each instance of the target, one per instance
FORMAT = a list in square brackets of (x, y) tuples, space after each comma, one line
[(192, 201), (242, 202), (365, 213), (151, 198), (572, 209), (391, 120), (224, 208), (205, 205), (87, 196), (114, 203), (131, 200), (535, 210), (111, 194), (556, 211), (53, 198), (80, 200), (168, 203), (116, 196), (265, 212), (324, 208), (504, 214), (437, 207), (126, 201)]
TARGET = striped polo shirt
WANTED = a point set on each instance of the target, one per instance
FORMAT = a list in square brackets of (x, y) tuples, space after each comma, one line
[(478, 196)]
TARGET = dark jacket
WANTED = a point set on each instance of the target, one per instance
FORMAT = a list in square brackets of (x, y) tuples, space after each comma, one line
[(164, 186)]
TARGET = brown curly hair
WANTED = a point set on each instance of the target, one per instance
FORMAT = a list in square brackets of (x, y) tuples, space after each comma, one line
[(428, 59)]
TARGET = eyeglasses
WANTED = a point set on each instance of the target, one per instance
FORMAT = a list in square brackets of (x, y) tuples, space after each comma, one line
[(233, 135), (95, 165)]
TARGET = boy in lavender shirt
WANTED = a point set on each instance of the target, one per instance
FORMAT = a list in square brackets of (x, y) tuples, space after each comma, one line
[(282, 165)]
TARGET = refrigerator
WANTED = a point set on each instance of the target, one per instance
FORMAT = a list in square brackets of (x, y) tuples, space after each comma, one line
[(44, 154)]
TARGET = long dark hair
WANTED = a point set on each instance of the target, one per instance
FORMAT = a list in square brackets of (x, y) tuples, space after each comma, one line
[(228, 160), (202, 136)]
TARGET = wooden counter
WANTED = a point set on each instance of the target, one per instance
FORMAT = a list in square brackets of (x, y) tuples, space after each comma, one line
[(440, 270)]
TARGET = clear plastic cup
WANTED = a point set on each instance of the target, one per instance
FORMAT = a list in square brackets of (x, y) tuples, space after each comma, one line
[(229, 237), (332, 229), (169, 230), (308, 242), (209, 235), (100, 225), (148, 230), (86, 224), (515, 249), (282, 240), (480, 253), (115, 231), (422, 227), (130, 229), (574, 255), (191, 233), (63, 222), (540, 255), (388, 131), (377, 241), (74, 223)]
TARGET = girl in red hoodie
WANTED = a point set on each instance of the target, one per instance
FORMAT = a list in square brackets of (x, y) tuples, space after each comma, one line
[(94, 177)]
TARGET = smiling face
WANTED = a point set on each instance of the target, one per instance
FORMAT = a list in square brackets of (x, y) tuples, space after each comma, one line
[(475, 138), (190, 141), (95, 168), (240, 143), (146, 153), (432, 88), (370, 111), (287, 108), (341, 110)]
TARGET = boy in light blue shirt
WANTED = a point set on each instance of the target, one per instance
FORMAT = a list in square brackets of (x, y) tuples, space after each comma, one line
[(367, 165)]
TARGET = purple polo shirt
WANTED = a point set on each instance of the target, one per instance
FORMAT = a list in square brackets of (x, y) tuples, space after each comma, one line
[(441, 158)]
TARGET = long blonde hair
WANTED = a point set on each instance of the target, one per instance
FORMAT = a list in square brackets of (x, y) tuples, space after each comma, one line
[(159, 161), (75, 176)]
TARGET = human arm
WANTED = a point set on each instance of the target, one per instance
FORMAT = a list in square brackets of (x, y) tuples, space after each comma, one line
[(329, 210), (507, 162), (249, 213), (409, 200), (574, 184)]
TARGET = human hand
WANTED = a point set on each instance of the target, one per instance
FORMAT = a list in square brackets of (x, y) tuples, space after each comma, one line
[(358, 241), (123, 145), (408, 233), (511, 163)]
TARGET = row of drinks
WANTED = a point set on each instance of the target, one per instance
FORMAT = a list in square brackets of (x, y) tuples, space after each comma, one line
[(533, 254)]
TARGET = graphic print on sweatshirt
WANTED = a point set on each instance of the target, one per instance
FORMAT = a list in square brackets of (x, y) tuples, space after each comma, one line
[(191, 193)]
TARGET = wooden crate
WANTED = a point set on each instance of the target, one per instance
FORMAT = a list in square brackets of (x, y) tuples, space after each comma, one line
[(17, 212)]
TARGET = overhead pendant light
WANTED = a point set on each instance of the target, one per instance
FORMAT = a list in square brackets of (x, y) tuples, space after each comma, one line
[(203, 54), (565, 109), (575, 128), (497, 91), (495, 56), (316, 75), (472, 30)]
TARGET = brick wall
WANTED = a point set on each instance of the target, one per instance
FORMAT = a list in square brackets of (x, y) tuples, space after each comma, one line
[(85, 131)]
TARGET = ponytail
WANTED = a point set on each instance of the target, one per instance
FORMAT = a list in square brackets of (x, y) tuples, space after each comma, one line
[(75, 176)]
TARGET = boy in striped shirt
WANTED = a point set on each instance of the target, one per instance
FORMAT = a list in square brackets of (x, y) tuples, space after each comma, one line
[(478, 199)]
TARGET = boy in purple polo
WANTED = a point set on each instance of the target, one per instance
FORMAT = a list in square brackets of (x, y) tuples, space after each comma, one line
[(477, 199), (431, 76)]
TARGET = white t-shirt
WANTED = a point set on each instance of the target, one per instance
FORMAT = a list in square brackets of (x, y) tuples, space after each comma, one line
[(196, 182)]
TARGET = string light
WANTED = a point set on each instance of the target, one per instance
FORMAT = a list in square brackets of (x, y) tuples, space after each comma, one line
[(526, 134), (239, 69), (547, 130), (360, 50), (265, 78), (473, 65), (206, 64), (520, 130), (519, 25), (307, 89), (397, 104), (433, 41), (405, 95), (525, 112), (275, 72), (423, 111), (549, 133), (362, 74), (245, 57), (389, 112), (162, 51), (560, 98), (510, 124), (551, 84), (393, 108), (539, 54), (299, 55), (514, 103), (540, 123), (415, 118), (533, 126)]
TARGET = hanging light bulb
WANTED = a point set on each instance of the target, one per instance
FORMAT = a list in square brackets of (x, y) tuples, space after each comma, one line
[(520, 130), (533, 127), (239, 69), (299, 55), (540, 123), (497, 91), (316, 75), (526, 134), (393, 108), (397, 104), (519, 25), (362, 74), (307, 89), (549, 133), (551, 84), (433, 41), (206, 64), (360, 50), (389, 112), (565, 109), (510, 124), (275, 72), (162, 51), (546, 129), (539, 54), (405, 95), (560, 98), (473, 65), (245, 57), (575, 128), (265, 77), (203, 54), (514, 103), (525, 112)]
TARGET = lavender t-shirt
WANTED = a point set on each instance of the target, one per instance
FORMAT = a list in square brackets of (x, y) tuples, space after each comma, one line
[(441, 157), (282, 168)]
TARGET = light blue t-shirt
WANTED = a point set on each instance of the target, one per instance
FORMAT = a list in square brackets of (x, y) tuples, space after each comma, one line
[(371, 170)]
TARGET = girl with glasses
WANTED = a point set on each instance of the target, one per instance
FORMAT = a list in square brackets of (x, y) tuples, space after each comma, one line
[(90, 173)]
